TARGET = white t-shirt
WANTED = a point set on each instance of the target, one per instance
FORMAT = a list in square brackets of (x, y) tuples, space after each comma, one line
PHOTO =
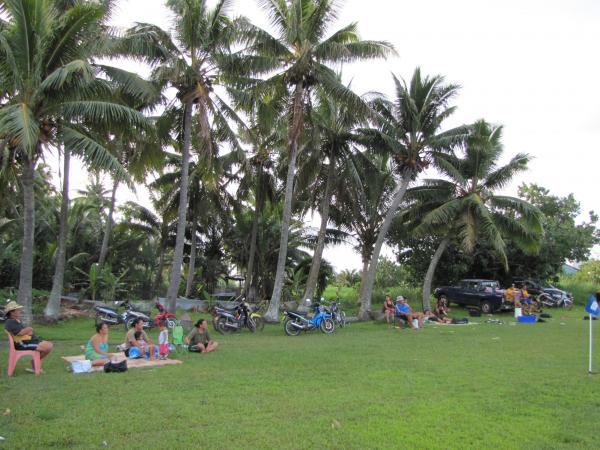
[(163, 337)]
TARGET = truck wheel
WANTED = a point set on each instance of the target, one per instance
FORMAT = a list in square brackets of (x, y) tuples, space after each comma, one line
[(486, 307)]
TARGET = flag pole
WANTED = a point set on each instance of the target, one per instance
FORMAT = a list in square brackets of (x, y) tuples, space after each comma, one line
[(590, 368)]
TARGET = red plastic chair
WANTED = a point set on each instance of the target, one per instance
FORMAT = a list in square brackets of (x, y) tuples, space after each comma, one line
[(14, 355)]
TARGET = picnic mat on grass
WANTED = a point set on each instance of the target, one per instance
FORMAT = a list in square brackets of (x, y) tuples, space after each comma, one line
[(131, 363)]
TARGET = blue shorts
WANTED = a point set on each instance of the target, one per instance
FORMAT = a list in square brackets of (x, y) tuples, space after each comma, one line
[(528, 301)]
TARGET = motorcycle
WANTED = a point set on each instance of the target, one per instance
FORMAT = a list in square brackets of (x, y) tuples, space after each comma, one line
[(229, 320), (549, 301), (297, 322), (111, 316), (168, 317), (338, 316)]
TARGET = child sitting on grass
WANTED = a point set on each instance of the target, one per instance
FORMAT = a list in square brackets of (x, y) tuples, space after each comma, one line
[(143, 345)]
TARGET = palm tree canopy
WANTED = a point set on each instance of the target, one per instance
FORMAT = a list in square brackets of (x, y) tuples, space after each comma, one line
[(466, 205), (52, 92), (300, 51), (409, 128)]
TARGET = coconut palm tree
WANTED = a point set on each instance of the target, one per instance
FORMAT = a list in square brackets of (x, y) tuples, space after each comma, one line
[(191, 63), (465, 208), (52, 95), (361, 202), (296, 59), (408, 130), (335, 135)]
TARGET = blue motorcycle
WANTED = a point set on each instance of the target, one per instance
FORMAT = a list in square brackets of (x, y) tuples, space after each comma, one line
[(297, 322)]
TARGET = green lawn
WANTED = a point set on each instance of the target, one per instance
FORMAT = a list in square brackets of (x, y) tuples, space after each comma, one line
[(366, 386)]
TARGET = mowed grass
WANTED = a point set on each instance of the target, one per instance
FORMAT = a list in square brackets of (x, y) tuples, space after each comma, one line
[(366, 386)]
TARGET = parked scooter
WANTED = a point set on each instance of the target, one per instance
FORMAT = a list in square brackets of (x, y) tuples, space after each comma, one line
[(229, 320), (297, 322), (168, 317), (111, 316)]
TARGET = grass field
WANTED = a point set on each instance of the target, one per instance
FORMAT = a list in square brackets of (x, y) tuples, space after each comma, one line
[(366, 386)]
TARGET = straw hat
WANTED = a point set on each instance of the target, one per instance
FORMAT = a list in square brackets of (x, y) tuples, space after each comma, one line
[(11, 306), (399, 298)]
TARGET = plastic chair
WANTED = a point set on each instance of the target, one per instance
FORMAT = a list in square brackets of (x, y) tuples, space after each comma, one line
[(178, 337), (14, 355)]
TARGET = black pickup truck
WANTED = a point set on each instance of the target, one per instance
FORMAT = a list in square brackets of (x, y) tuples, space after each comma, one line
[(484, 294)]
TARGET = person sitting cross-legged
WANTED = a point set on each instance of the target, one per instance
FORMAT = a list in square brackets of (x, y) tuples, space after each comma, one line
[(199, 340), (404, 311)]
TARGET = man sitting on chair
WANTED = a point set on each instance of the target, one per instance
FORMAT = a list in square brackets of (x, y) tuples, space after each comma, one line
[(404, 311), (23, 336)]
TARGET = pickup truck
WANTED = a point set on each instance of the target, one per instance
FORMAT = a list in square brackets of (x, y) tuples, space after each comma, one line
[(484, 294)]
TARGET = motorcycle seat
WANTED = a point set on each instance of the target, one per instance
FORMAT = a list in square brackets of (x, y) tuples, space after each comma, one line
[(300, 313), (107, 307)]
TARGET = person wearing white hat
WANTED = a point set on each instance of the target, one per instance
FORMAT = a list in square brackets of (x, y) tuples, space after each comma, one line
[(405, 311), (23, 336)]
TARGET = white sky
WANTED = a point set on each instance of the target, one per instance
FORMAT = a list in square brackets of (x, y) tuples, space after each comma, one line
[(531, 66)]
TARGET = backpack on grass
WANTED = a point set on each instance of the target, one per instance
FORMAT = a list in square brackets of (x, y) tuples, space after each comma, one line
[(111, 367)]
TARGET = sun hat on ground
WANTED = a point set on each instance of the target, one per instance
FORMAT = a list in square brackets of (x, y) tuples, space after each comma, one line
[(12, 306)]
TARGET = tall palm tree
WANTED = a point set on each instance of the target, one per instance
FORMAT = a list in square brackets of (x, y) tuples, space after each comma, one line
[(361, 202), (192, 64), (52, 95), (334, 130), (409, 130), (296, 60), (257, 182), (465, 208)]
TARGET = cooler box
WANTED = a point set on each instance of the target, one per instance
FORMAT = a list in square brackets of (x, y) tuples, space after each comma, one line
[(527, 319)]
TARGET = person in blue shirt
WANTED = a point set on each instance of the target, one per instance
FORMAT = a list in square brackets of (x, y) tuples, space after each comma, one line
[(404, 311)]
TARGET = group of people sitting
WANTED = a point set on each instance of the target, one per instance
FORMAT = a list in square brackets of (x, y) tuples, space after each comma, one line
[(96, 349), (521, 298), (198, 341), (414, 319)]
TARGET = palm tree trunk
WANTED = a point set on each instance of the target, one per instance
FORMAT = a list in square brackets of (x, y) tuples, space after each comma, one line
[(363, 277), (192, 264), (108, 226), (365, 306), (253, 237), (272, 314), (161, 259), (313, 275), (53, 307), (431, 270), (24, 296), (175, 277)]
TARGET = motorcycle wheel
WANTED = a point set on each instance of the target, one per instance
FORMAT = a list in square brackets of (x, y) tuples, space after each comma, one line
[(327, 326), (290, 329), (222, 326), (342, 319), (259, 322), (128, 324), (251, 324)]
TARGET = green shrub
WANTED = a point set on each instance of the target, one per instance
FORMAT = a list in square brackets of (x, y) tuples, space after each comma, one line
[(580, 289)]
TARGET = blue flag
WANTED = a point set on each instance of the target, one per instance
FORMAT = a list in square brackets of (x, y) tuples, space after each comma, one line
[(592, 306)]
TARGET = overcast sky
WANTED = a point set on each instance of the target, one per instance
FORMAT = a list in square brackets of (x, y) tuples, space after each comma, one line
[(531, 66)]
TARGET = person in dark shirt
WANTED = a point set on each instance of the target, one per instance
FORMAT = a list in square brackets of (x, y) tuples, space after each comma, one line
[(23, 336), (199, 340)]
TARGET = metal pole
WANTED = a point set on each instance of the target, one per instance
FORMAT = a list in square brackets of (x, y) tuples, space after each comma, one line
[(590, 368)]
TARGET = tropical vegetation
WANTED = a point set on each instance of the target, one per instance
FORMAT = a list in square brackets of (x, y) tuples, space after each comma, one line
[(232, 138)]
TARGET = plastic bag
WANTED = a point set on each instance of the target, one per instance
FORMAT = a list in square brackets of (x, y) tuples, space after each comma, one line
[(81, 366)]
